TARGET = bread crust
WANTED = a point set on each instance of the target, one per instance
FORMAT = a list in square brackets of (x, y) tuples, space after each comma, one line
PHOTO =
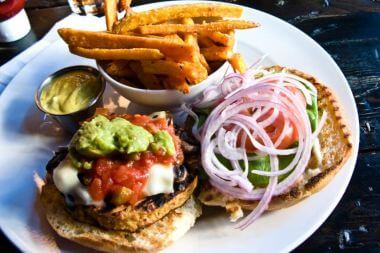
[(149, 239), (336, 147)]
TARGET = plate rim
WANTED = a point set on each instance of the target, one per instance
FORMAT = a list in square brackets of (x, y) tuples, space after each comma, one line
[(21, 245)]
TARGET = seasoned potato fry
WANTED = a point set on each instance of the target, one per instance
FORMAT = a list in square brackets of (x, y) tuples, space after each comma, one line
[(148, 80), (237, 63), (198, 73), (162, 14), (222, 38), (174, 37), (125, 5), (88, 39), (176, 83), (201, 20), (204, 63), (170, 47), (119, 69), (110, 11), (194, 73), (190, 38), (118, 54), (216, 53), (164, 67), (204, 41), (225, 25)]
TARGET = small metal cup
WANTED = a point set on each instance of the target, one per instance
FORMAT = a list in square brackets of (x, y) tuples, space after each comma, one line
[(70, 121)]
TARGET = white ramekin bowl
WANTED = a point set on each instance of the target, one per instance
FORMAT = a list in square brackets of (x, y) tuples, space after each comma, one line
[(165, 99)]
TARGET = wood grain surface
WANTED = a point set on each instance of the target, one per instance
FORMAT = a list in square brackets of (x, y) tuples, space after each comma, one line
[(350, 31)]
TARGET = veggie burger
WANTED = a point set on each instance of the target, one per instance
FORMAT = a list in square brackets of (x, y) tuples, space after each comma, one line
[(121, 185), (269, 138)]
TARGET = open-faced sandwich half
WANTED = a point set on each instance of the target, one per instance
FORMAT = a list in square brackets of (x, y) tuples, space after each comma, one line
[(268, 138), (121, 185)]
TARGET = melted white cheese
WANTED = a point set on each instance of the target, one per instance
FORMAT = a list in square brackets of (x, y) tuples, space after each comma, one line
[(160, 180), (65, 178)]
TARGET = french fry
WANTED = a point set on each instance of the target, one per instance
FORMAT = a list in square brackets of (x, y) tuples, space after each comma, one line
[(170, 47), (222, 38), (176, 83), (118, 54), (194, 73), (222, 26), (110, 11), (124, 5), (163, 14), (171, 37), (174, 37), (204, 63), (197, 74), (237, 63), (148, 80), (119, 69), (201, 20), (216, 53), (204, 41), (164, 67), (89, 39), (191, 38)]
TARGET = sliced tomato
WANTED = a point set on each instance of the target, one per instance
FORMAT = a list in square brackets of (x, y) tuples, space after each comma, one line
[(278, 127), (298, 94), (275, 129)]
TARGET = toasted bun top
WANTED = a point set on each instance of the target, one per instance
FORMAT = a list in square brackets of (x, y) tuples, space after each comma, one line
[(336, 147)]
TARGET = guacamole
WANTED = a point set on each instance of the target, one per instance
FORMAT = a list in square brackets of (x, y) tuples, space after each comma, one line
[(70, 92), (102, 137), (130, 138), (163, 140), (95, 138)]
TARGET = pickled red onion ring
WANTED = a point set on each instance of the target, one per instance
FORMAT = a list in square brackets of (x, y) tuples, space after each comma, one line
[(268, 94)]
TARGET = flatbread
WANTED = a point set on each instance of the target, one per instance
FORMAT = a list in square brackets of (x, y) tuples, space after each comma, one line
[(336, 147)]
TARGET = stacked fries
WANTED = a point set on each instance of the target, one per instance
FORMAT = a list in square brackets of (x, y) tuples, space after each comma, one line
[(166, 48)]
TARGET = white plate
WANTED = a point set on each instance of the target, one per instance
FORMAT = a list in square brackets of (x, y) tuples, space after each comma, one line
[(25, 147)]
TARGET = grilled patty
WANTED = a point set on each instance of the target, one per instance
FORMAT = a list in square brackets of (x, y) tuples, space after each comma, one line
[(127, 217)]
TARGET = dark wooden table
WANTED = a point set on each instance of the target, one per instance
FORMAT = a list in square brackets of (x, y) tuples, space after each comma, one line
[(350, 31)]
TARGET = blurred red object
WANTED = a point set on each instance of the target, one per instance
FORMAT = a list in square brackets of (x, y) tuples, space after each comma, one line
[(10, 8)]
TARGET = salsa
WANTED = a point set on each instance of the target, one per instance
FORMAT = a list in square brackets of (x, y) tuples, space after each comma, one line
[(70, 92), (124, 178), (155, 125), (109, 176)]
